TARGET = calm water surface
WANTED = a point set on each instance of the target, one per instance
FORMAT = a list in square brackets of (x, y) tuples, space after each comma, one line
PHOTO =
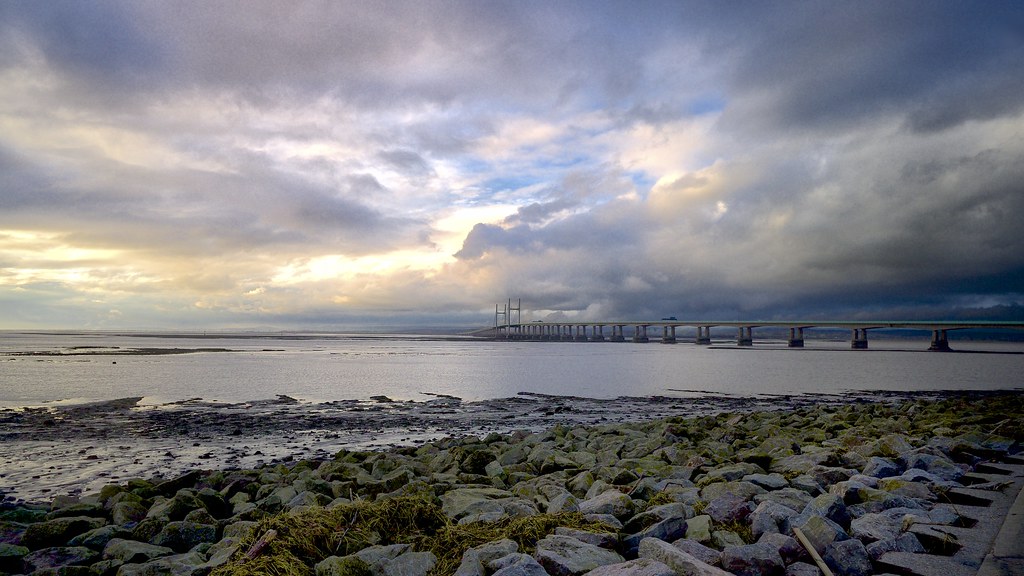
[(408, 368)]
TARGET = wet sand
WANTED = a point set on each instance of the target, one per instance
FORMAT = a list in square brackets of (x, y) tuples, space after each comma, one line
[(78, 449)]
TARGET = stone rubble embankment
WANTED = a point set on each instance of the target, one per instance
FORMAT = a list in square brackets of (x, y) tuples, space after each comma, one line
[(872, 488)]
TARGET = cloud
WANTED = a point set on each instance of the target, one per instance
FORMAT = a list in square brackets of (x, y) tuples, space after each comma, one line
[(320, 163)]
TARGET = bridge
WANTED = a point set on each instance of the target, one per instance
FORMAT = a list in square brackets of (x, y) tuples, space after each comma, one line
[(642, 330)]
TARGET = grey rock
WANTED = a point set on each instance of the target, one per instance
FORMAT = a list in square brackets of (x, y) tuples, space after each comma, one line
[(806, 484), (699, 528), (656, 514), (848, 558), (58, 556), (677, 559), (668, 530), (773, 481), (611, 502), (821, 532), (881, 467), (462, 502), (239, 529), (132, 552), (788, 547), (221, 552), (189, 564), (600, 539), (10, 557), (872, 527), (744, 490), (564, 502), (802, 569), (182, 536), (723, 538), (830, 506), (98, 538), (409, 564), (905, 542), (770, 517), (476, 559), (761, 559), (517, 565), (788, 497), (699, 551), (729, 508), (565, 556), (606, 519), (638, 567), (375, 555), (729, 473)]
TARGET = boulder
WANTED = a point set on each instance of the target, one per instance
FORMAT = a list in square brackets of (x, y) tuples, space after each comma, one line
[(611, 502), (881, 467), (58, 531), (516, 565), (744, 490), (179, 564), (770, 517), (565, 556), (729, 508), (10, 557), (699, 551), (830, 506), (132, 552), (773, 481), (788, 547), (475, 560), (607, 540), (669, 529), (848, 558), (98, 538), (699, 528), (638, 567), (802, 569), (125, 512), (905, 542), (183, 536), (761, 559), (676, 559), (872, 527), (821, 532), (461, 502), (58, 556)]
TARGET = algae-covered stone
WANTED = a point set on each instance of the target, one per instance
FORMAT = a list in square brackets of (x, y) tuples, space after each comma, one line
[(744, 490), (127, 511), (703, 553), (342, 566), (699, 528), (10, 557), (58, 556), (463, 501), (516, 564), (58, 531), (98, 538), (132, 552), (611, 502), (722, 538), (182, 536)]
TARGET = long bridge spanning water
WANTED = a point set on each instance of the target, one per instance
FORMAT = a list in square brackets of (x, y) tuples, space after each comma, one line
[(645, 331)]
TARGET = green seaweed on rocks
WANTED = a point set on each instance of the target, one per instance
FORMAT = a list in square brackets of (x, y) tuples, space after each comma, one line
[(306, 537)]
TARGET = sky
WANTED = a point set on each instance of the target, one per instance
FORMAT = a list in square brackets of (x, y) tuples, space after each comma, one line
[(340, 165)]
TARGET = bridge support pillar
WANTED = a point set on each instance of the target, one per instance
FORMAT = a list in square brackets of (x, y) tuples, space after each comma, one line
[(796, 337), (581, 333), (597, 334), (745, 337), (617, 335), (703, 335), (859, 340), (668, 334), (940, 343), (640, 334)]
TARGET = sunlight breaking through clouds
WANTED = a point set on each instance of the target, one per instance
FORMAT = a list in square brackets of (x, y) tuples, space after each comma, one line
[(315, 165)]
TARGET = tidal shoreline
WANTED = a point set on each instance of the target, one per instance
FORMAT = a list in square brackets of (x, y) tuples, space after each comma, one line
[(74, 449), (871, 483)]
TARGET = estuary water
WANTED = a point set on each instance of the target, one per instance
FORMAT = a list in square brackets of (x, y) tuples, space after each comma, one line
[(46, 369)]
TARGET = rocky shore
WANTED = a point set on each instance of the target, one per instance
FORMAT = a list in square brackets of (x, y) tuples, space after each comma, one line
[(893, 485)]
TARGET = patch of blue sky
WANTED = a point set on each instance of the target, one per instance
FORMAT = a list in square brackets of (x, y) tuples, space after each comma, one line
[(707, 104)]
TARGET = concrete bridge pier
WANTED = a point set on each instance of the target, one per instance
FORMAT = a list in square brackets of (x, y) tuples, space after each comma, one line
[(745, 337), (598, 334), (703, 335), (581, 333), (617, 335), (940, 343), (796, 337), (640, 334), (668, 334), (859, 341)]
